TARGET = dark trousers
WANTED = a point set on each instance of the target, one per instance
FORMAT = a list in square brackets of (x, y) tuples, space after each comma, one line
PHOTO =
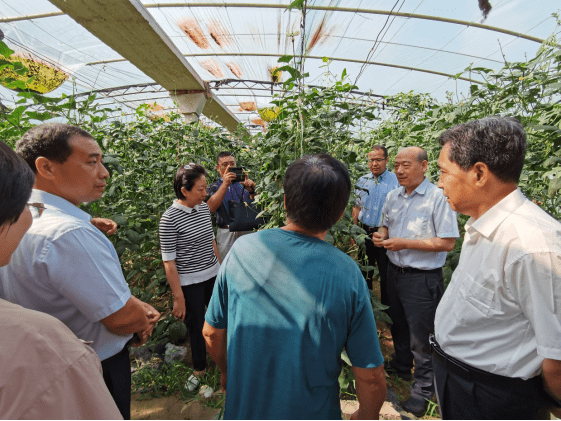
[(117, 376), (413, 298), (197, 297), (376, 256), (463, 397)]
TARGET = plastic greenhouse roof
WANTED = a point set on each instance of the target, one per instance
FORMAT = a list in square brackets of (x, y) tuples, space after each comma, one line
[(234, 45)]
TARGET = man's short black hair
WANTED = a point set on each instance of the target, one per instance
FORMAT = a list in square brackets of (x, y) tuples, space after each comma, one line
[(186, 176), (316, 190), (222, 155), (498, 142), (50, 140), (16, 182), (382, 148)]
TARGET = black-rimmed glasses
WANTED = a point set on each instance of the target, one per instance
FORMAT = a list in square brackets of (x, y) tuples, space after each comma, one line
[(36, 209)]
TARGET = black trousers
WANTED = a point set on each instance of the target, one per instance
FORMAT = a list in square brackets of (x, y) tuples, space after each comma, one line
[(197, 297), (466, 398), (413, 298), (117, 376), (376, 256)]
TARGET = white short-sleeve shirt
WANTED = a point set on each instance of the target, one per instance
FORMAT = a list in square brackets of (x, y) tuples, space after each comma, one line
[(66, 267), (502, 310), (423, 214)]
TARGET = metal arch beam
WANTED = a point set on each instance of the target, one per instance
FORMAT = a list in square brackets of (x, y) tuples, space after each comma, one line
[(375, 63), (120, 24), (324, 8)]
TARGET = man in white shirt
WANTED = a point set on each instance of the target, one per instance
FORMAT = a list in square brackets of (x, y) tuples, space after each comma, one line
[(66, 267), (497, 346), (419, 229)]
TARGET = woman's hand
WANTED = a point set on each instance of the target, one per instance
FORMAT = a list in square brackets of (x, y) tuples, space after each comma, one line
[(179, 307)]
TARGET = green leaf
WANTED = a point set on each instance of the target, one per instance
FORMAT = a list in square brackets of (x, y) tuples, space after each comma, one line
[(285, 59), (554, 186), (121, 220), (20, 69), (551, 160), (39, 116), (15, 116), (133, 236), (345, 357), (296, 4), (5, 50)]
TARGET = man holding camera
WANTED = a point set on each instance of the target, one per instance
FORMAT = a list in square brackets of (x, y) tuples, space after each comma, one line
[(221, 191)]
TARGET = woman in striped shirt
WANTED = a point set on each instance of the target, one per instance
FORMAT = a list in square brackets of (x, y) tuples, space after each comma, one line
[(190, 256)]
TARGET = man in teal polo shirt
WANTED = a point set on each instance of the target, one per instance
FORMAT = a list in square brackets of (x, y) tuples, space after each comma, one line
[(286, 303)]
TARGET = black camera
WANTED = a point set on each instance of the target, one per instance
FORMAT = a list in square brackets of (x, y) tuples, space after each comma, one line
[(240, 173)]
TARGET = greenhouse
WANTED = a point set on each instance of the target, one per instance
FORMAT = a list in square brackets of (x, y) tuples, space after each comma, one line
[(204, 121)]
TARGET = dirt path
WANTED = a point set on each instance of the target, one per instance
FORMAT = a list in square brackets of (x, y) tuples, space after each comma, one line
[(171, 408)]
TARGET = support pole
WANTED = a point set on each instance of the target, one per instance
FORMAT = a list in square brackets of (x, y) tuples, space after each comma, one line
[(190, 105)]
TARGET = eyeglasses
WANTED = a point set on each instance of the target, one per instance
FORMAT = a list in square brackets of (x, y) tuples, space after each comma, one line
[(190, 166), (36, 209), (378, 160), (228, 164)]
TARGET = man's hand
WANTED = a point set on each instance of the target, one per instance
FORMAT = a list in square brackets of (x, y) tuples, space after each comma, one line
[(249, 185), (394, 244), (138, 341), (153, 317), (223, 382), (108, 226), (378, 239), (228, 177)]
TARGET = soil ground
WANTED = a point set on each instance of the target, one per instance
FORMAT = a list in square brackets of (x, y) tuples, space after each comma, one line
[(174, 408)]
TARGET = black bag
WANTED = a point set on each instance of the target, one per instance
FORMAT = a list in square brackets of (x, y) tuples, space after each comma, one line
[(243, 215)]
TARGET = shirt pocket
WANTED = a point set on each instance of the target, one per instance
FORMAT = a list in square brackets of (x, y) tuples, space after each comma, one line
[(416, 226), (477, 300)]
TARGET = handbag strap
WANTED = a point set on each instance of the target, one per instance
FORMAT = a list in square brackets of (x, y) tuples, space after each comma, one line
[(241, 196)]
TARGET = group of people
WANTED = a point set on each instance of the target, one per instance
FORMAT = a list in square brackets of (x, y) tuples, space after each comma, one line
[(490, 346), (283, 303)]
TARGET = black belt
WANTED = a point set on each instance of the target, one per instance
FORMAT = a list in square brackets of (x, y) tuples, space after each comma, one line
[(368, 229), (414, 270), (471, 373), (225, 227)]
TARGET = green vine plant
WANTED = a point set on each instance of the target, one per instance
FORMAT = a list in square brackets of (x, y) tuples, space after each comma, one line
[(143, 154)]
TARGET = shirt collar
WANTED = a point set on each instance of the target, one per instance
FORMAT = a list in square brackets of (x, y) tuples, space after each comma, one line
[(487, 223), (421, 188), (52, 201), (187, 209), (380, 177)]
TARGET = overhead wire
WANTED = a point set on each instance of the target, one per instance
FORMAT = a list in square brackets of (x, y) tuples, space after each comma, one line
[(375, 46), (496, 51), (399, 29)]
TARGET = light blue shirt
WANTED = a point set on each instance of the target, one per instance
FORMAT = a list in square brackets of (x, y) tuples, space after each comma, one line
[(67, 268), (423, 214), (372, 200)]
